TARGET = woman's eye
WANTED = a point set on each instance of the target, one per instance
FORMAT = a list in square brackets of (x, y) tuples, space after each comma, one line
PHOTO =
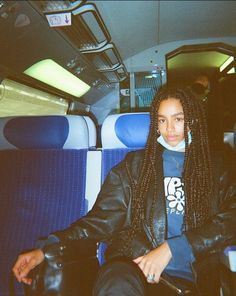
[(161, 121), (179, 119)]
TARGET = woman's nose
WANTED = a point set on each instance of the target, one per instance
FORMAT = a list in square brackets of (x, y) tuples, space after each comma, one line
[(169, 126)]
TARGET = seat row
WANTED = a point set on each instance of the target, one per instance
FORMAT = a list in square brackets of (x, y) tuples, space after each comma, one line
[(51, 173)]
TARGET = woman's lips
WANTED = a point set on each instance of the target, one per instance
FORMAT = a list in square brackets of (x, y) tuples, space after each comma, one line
[(171, 138)]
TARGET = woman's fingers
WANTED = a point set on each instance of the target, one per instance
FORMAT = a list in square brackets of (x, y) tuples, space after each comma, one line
[(138, 259), (25, 263), (153, 263), (26, 281)]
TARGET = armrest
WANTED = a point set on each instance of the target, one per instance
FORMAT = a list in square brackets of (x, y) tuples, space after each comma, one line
[(70, 266), (68, 251)]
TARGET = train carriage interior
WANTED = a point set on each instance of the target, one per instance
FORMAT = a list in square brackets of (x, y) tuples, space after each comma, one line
[(77, 79)]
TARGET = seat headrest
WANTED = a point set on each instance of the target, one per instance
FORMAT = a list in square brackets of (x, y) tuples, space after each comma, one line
[(129, 130), (43, 132), (92, 131)]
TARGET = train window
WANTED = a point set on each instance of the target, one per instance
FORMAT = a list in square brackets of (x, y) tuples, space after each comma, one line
[(18, 99), (137, 92), (146, 85)]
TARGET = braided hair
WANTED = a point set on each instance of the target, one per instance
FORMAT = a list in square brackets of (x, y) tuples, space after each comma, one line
[(197, 173)]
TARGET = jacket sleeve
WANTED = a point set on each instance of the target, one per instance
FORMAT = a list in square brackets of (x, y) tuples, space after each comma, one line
[(109, 213), (220, 229)]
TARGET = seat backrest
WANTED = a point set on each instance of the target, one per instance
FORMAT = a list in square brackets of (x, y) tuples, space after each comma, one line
[(120, 134), (42, 184), (127, 130)]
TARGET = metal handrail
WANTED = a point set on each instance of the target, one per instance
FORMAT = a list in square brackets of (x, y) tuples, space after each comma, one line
[(93, 9)]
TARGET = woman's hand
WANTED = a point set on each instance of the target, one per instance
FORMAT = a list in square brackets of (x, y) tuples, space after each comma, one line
[(25, 263), (153, 263)]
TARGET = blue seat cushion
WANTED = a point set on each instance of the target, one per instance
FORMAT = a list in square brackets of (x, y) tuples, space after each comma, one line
[(41, 191)]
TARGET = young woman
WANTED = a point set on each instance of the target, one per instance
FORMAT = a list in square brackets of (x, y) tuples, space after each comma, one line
[(169, 208)]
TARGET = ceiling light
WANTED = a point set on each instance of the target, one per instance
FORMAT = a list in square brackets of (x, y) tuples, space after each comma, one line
[(53, 74), (226, 63)]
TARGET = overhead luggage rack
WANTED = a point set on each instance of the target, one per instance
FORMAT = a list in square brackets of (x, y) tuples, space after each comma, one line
[(108, 59), (58, 6), (88, 31), (89, 35), (115, 75)]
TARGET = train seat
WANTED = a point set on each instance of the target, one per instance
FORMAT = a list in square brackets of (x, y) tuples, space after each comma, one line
[(120, 134), (42, 185)]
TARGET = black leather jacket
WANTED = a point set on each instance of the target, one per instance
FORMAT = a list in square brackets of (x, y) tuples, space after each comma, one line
[(111, 216)]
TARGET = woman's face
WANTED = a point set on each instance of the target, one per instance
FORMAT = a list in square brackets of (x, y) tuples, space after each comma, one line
[(171, 121)]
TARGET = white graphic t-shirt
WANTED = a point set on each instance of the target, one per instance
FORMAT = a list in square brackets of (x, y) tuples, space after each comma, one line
[(175, 202)]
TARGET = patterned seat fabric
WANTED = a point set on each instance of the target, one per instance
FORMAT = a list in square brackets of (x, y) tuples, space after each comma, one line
[(42, 184)]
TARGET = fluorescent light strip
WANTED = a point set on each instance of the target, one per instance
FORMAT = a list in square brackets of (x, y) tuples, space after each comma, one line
[(226, 63), (53, 74)]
